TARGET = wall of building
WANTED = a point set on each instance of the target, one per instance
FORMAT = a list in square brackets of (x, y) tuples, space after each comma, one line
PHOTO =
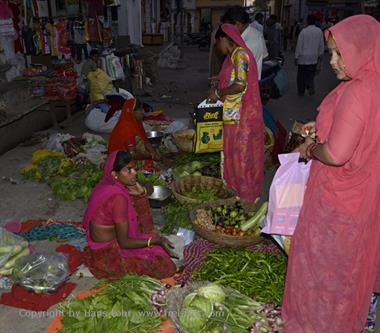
[(130, 21)]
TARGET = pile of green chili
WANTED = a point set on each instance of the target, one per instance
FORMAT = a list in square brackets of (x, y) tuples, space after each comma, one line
[(255, 274)]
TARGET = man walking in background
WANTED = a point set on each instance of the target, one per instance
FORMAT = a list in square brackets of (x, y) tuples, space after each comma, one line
[(275, 37), (253, 38), (309, 49)]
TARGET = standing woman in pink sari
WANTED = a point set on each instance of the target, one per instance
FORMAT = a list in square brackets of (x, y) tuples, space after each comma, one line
[(243, 143), (334, 253)]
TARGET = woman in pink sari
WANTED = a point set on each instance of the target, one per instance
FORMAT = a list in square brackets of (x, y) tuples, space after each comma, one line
[(335, 249), (119, 226), (243, 143)]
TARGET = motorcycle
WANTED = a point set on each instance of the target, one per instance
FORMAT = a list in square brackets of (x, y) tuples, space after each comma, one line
[(274, 80)]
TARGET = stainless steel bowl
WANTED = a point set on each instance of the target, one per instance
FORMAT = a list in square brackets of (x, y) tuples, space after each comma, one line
[(160, 193), (154, 137)]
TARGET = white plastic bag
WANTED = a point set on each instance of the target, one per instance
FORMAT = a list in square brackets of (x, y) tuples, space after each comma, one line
[(95, 121), (56, 141), (286, 195)]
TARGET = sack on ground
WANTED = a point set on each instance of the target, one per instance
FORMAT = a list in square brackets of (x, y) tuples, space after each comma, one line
[(286, 195), (208, 121)]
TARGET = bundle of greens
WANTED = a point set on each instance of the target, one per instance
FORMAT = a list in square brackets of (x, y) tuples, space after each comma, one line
[(68, 178), (188, 158), (124, 305), (202, 194), (255, 274), (176, 216), (153, 179), (197, 165), (78, 185)]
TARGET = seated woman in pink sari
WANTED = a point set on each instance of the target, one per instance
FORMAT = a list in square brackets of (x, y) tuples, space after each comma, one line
[(243, 142), (119, 226)]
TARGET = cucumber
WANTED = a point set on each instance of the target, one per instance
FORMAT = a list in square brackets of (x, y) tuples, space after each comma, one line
[(10, 249), (4, 271), (254, 221), (11, 262)]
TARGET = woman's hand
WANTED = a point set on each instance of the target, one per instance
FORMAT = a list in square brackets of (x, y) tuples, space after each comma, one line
[(302, 148), (156, 156), (167, 246), (214, 81), (309, 130), (212, 98), (137, 189)]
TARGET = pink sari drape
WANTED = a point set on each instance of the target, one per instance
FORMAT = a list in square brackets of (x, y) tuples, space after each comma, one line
[(243, 144), (104, 190), (335, 248)]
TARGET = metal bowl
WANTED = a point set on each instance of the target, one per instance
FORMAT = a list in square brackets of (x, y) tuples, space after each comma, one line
[(160, 193), (154, 137)]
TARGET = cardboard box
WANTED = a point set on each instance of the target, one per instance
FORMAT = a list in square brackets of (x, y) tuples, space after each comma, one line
[(153, 39)]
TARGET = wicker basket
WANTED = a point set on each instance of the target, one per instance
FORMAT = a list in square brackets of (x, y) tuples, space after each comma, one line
[(184, 139), (174, 299), (186, 184), (224, 239)]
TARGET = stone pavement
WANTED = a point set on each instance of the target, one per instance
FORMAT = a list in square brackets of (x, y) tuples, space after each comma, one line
[(177, 92)]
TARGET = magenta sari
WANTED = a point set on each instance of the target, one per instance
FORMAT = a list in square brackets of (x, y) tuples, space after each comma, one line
[(335, 248), (104, 190), (243, 144)]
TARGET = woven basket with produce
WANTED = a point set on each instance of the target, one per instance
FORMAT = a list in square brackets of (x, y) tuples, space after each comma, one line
[(229, 222), (199, 189)]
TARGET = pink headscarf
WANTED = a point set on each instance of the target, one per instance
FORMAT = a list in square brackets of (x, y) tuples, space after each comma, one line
[(225, 72), (106, 188), (358, 41)]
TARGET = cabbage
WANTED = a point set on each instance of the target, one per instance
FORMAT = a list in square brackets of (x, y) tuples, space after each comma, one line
[(203, 304), (188, 299), (192, 319), (184, 174), (196, 165), (213, 292)]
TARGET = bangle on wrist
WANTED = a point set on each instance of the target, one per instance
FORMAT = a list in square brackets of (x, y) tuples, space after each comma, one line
[(310, 150), (149, 243), (216, 93)]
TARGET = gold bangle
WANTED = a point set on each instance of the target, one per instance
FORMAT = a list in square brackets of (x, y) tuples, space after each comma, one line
[(145, 192), (310, 150), (149, 242)]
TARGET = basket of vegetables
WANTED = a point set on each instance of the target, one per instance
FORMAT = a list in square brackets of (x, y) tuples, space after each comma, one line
[(230, 222), (199, 189), (203, 307)]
